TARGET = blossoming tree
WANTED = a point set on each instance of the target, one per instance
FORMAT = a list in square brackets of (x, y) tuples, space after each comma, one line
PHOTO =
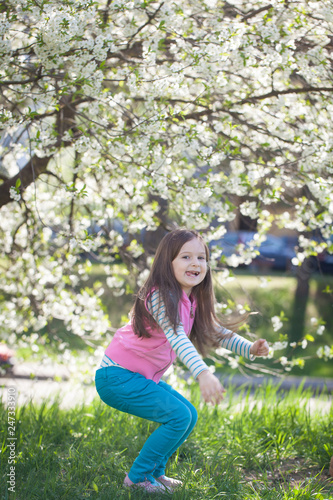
[(120, 116)]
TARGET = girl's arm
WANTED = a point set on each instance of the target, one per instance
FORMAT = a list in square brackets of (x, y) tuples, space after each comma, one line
[(237, 344), (179, 341)]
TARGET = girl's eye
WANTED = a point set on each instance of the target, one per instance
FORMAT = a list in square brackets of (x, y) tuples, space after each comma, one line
[(202, 258), (185, 257)]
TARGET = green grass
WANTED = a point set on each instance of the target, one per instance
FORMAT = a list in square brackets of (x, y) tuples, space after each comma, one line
[(262, 446)]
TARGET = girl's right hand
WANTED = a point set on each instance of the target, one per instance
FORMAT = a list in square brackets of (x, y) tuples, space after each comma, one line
[(211, 389)]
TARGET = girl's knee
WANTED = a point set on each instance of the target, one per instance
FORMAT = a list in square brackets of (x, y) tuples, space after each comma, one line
[(184, 418), (194, 414)]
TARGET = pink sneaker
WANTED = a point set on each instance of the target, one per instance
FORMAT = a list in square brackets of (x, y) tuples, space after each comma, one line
[(170, 483), (154, 487)]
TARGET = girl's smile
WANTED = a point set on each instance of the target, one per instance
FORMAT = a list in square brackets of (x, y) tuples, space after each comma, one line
[(190, 265)]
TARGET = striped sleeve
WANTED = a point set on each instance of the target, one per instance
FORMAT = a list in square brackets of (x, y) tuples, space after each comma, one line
[(236, 343), (179, 341)]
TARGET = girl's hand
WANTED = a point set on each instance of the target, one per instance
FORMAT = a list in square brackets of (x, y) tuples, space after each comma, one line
[(260, 348), (211, 389)]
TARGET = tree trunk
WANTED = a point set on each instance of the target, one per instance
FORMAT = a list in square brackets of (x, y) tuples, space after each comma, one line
[(151, 239), (65, 120), (297, 322)]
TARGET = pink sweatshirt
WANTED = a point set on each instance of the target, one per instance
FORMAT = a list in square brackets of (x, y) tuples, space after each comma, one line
[(149, 356)]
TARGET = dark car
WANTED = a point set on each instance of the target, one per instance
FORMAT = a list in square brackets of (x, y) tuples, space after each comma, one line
[(276, 252)]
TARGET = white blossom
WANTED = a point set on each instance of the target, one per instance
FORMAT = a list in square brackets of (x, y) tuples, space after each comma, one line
[(72, 243), (14, 194), (320, 330), (233, 362), (325, 352), (278, 346), (277, 323), (249, 208)]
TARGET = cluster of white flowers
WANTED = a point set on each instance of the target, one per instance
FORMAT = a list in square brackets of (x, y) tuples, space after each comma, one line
[(320, 330), (277, 323), (215, 234), (325, 352), (289, 364), (249, 208), (279, 346), (263, 282), (224, 277), (233, 362), (14, 194), (318, 324), (142, 277)]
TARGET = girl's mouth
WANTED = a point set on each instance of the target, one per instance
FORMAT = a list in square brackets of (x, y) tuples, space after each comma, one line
[(192, 273)]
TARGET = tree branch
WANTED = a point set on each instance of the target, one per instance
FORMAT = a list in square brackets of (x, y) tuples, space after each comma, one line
[(253, 13), (21, 82), (65, 120), (150, 18), (3, 177), (27, 175), (106, 13), (276, 93)]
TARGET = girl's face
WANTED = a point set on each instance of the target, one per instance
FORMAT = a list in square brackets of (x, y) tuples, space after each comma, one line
[(190, 265)]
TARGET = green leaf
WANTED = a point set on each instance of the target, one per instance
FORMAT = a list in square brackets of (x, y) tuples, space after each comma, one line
[(161, 44), (18, 183)]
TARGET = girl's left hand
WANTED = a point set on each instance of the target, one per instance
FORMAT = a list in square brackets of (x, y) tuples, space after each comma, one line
[(260, 348)]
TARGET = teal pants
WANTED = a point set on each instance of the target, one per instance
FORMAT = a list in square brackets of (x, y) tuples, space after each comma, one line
[(132, 393)]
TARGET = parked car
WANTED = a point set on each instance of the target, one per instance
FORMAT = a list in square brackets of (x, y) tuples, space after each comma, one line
[(325, 260), (279, 251), (275, 252)]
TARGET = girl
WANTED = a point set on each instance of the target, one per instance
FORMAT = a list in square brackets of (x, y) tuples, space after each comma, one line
[(174, 308)]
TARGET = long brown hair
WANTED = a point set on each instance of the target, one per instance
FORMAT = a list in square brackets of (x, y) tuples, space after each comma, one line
[(204, 333)]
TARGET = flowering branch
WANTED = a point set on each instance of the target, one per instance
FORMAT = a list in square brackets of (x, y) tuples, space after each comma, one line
[(277, 93)]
